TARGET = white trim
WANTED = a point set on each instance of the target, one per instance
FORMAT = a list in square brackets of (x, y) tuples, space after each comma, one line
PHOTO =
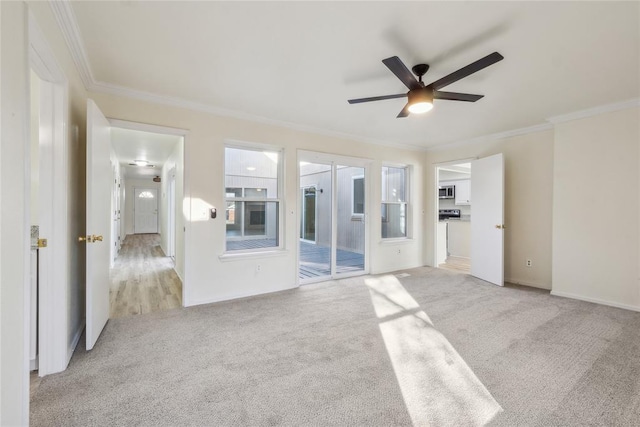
[(529, 284), (595, 300), (74, 342), (396, 241), (66, 19), (595, 111), (493, 137), (251, 254), (230, 297), (68, 24), (146, 127)]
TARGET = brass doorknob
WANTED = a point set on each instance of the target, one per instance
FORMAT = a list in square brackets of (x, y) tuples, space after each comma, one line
[(500, 226), (97, 238), (84, 239)]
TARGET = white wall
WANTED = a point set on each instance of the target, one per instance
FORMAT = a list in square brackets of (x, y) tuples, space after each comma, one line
[(210, 278), (129, 185), (528, 202), (14, 205), (595, 208)]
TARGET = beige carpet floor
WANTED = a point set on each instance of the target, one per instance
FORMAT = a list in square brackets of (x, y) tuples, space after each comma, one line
[(434, 348)]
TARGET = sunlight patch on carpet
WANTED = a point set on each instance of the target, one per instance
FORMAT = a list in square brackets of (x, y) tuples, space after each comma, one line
[(437, 385)]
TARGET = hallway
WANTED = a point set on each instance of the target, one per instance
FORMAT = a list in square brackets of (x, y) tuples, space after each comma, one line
[(143, 279)]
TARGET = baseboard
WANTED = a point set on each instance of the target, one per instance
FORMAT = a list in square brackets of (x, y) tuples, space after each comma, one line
[(235, 296), (530, 284), (33, 364), (595, 300), (74, 342)]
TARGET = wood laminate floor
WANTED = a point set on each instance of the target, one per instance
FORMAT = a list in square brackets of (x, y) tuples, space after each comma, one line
[(457, 264), (143, 279)]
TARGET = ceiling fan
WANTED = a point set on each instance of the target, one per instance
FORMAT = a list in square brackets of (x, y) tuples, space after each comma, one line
[(420, 96)]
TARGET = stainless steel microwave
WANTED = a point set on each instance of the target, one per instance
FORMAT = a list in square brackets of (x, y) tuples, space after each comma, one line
[(447, 192)]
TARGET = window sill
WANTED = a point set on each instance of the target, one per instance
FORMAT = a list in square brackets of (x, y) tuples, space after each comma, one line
[(396, 241), (238, 256)]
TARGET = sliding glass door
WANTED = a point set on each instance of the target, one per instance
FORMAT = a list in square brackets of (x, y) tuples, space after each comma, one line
[(333, 216), (350, 219)]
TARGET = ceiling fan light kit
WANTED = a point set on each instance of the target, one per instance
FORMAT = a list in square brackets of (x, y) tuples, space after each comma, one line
[(420, 97), (420, 100)]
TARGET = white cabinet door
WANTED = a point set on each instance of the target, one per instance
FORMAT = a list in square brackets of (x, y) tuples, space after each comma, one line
[(463, 192)]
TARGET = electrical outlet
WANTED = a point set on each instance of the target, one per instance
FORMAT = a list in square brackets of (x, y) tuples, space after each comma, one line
[(528, 263), (258, 268), (399, 251)]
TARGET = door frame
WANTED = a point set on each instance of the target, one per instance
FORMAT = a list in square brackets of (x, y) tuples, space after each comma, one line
[(53, 352), (335, 160), (436, 201), (181, 206), (303, 210)]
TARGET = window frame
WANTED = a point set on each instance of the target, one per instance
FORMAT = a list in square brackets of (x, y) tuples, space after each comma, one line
[(355, 214), (406, 203), (279, 199)]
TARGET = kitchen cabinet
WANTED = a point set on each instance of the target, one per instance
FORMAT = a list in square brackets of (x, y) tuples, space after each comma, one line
[(459, 238), (442, 242), (463, 192)]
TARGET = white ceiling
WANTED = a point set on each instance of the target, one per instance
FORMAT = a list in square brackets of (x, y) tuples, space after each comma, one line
[(299, 62), (130, 145)]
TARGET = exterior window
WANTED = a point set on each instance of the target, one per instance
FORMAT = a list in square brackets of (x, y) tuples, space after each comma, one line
[(394, 202), (252, 199), (357, 205)]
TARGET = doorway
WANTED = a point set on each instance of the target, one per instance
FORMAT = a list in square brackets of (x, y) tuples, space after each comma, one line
[(144, 277), (454, 217), (333, 213), (466, 242)]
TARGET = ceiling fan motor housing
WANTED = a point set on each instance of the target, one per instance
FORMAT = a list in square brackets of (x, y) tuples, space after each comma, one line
[(423, 94)]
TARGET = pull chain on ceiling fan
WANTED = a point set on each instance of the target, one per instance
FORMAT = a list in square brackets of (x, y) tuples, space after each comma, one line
[(420, 97)]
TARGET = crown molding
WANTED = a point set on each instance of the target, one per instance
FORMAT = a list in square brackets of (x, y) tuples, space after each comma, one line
[(68, 24), (602, 109), (493, 137), (111, 89)]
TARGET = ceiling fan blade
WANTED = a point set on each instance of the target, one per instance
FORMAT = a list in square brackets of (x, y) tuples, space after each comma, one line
[(398, 68), (467, 71), (404, 112), (376, 98), (455, 96)]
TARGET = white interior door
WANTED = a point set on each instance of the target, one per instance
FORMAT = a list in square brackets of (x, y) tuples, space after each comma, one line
[(145, 207), (98, 221), (487, 220)]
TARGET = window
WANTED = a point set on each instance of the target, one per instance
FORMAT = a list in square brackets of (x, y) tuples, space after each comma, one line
[(357, 205), (252, 199), (394, 202)]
